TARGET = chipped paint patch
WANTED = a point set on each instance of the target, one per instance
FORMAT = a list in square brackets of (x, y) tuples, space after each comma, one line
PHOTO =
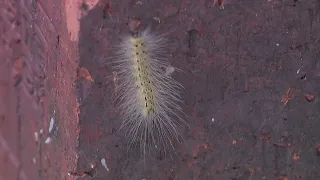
[(169, 70), (51, 125), (104, 164), (48, 140), (36, 136)]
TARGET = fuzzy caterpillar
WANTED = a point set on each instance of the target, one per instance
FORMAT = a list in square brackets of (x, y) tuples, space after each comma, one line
[(148, 97)]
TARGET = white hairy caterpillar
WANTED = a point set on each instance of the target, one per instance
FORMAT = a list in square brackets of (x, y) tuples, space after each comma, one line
[(148, 96)]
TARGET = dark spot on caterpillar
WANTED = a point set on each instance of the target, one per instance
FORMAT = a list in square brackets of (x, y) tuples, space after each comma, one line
[(144, 52), (137, 53), (142, 44), (146, 104), (138, 69), (136, 45)]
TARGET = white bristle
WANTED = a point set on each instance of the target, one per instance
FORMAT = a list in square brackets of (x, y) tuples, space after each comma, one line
[(148, 96)]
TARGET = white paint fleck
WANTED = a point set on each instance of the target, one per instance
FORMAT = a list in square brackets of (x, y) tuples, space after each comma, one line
[(298, 71), (212, 119), (157, 19), (234, 141), (36, 136), (104, 164), (41, 131), (278, 44), (34, 160), (51, 125), (92, 166), (48, 140), (169, 70)]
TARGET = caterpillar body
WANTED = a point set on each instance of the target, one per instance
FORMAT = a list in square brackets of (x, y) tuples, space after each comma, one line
[(148, 97)]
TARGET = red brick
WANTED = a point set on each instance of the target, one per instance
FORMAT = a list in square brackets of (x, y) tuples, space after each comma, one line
[(9, 166), (30, 36)]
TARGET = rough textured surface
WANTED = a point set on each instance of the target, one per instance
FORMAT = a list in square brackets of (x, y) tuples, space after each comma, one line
[(239, 64), (36, 75)]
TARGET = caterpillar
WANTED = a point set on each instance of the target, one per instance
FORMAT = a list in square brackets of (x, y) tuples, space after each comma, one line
[(148, 97)]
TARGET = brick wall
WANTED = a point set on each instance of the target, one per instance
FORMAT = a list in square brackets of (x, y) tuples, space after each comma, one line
[(37, 71)]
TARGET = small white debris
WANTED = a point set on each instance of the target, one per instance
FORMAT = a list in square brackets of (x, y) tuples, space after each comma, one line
[(234, 141), (139, 2), (69, 174), (51, 125), (41, 131), (212, 119), (92, 166), (169, 70), (34, 160), (48, 140), (36, 136), (278, 44), (104, 164), (298, 71), (157, 19)]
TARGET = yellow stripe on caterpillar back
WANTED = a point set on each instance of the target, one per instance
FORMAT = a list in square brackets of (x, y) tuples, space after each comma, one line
[(142, 77)]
